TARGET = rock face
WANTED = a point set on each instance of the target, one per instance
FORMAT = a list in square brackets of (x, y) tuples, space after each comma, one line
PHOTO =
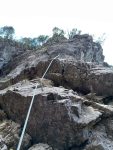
[(59, 116), (73, 106), (2, 144), (86, 78), (80, 48), (8, 50), (9, 135), (51, 116), (83, 75)]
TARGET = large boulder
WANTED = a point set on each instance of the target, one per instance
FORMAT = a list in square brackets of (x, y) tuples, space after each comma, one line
[(59, 117), (87, 77)]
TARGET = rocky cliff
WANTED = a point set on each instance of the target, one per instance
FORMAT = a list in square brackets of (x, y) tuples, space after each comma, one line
[(73, 104), (8, 50)]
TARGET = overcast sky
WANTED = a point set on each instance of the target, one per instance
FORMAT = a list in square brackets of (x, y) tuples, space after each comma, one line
[(35, 17)]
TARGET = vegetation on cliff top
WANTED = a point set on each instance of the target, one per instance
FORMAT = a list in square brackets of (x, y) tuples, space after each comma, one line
[(7, 34)]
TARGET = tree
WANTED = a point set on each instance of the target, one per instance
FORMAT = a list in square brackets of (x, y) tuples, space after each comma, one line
[(74, 32), (101, 39), (58, 32), (27, 42), (33, 43), (7, 32), (58, 35), (42, 39)]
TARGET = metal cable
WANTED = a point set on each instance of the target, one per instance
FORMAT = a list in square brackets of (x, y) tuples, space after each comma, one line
[(29, 110)]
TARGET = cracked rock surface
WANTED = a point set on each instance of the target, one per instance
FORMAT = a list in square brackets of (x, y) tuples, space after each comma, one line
[(73, 105)]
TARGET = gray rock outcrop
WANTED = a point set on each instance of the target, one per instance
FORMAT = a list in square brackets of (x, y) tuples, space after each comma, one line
[(59, 117), (9, 135), (73, 105), (8, 50)]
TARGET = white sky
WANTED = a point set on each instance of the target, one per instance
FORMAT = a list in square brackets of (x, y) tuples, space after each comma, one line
[(35, 17)]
